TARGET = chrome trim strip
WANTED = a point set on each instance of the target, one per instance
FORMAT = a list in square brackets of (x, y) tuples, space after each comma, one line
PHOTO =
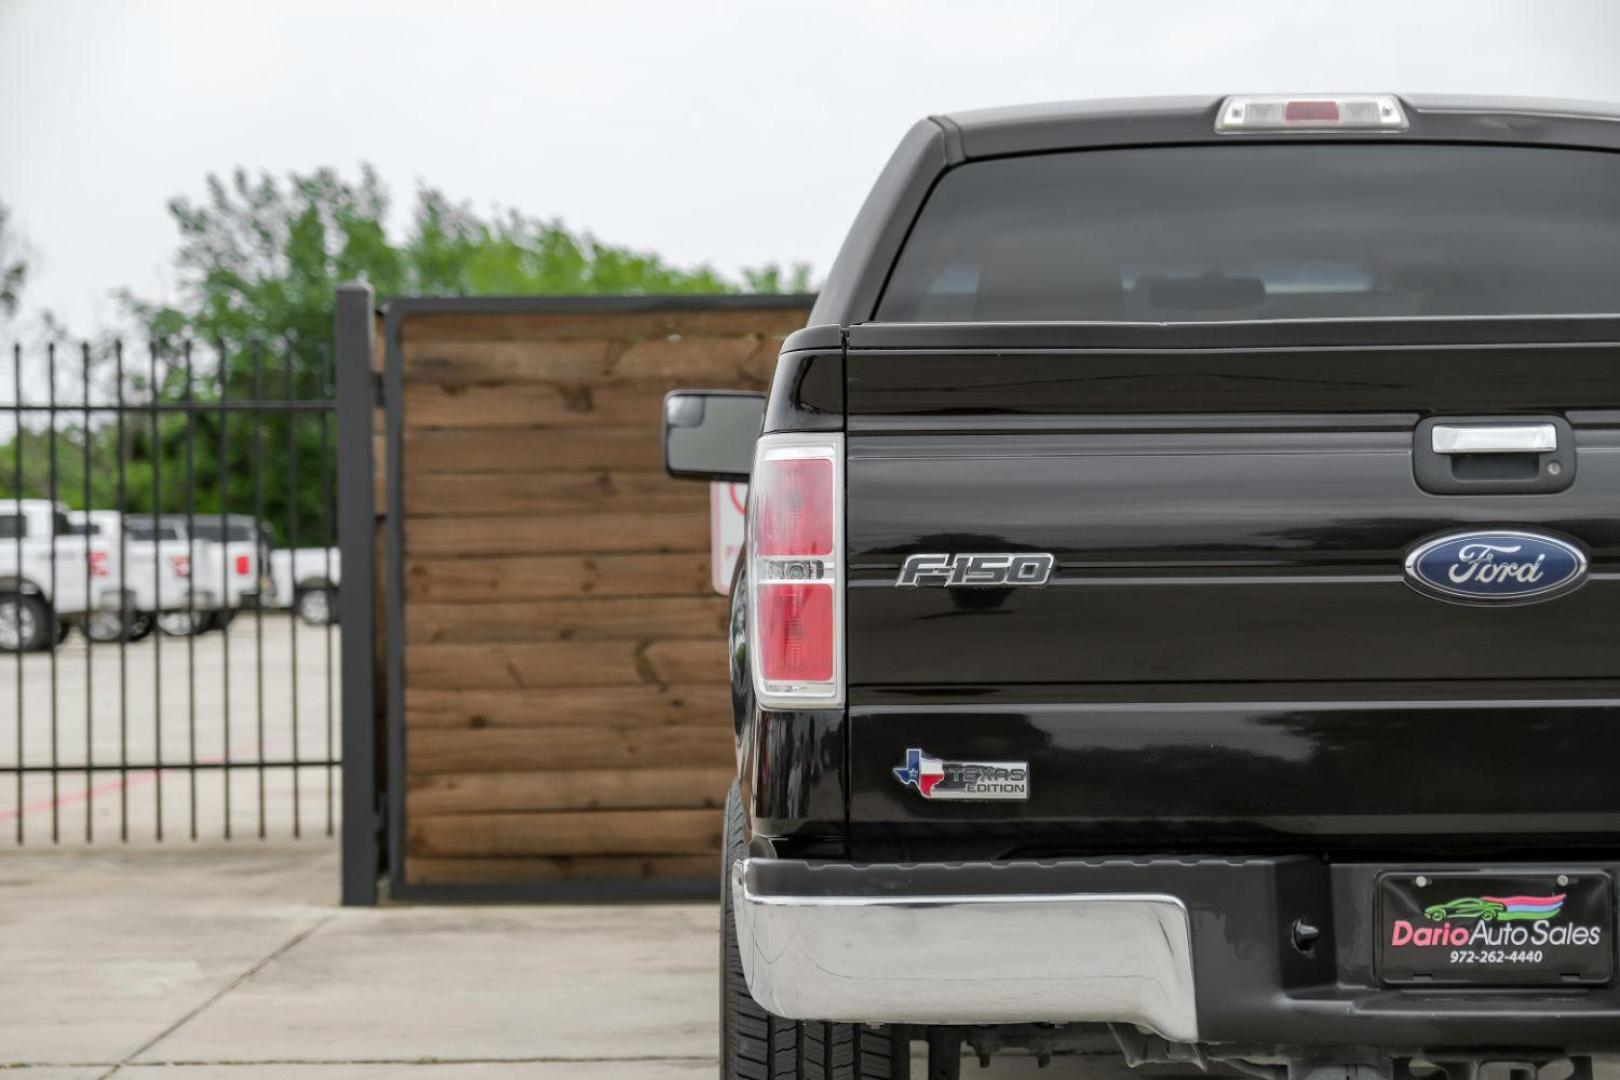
[(898, 959), (1494, 438)]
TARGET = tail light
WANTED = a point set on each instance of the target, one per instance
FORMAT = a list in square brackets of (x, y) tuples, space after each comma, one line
[(796, 552), (98, 564), (243, 566), (181, 565)]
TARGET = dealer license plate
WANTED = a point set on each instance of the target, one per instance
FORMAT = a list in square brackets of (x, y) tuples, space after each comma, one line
[(1496, 929)]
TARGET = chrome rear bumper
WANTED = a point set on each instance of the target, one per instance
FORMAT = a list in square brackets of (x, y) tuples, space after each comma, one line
[(888, 956)]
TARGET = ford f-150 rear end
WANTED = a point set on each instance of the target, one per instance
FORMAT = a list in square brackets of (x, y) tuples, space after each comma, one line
[(1181, 596)]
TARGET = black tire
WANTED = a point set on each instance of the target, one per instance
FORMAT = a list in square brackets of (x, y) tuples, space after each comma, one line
[(754, 1045), (141, 626), (35, 625)]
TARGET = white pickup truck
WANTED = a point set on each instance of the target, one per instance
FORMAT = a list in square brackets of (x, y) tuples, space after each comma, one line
[(173, 585), (228, 560), (50, 578)]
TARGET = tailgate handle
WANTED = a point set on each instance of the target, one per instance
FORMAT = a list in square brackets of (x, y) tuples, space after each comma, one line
[(1495, 439)]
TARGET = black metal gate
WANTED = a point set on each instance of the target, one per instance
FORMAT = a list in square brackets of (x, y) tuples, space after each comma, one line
[(168, 592)]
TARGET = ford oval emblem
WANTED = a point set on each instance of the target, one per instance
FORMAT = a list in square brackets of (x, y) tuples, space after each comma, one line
[(1503, 567)]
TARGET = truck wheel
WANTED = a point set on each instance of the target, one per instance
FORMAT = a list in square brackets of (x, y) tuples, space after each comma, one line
[(25, 624), (182, 623), (141, 625), (316, 605), (754, 1045), (105, 627)]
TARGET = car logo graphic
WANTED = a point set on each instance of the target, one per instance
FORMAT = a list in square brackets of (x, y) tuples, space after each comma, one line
[(1496, 567), (1498, 908), (936, 778)]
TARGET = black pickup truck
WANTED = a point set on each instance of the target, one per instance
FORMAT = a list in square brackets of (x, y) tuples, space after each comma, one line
[(1182, 599)]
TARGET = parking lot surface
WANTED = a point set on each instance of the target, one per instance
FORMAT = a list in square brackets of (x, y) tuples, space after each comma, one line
[(259, 692)]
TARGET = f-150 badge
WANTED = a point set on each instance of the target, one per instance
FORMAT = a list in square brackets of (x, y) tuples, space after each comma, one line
[(990, 569), (1496, 567), (938, 779)]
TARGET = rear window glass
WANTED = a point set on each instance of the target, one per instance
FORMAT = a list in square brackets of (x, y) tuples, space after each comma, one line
[(1304, 231), (213, 530)]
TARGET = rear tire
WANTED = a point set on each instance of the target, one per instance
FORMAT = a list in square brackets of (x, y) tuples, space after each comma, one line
[(26, 624), (182, 624), (106, 626), (754, 1045), (316, 605)]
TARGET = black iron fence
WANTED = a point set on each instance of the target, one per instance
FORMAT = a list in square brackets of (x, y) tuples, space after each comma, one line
[(168, 588)]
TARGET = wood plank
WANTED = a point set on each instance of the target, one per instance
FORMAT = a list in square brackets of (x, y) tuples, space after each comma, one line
[(742, 361), (655, 747), (563, 325), (687, 661), (428, 870), (557, 534), (736, 363), (622, 706), (537, 665), (547, 492), (471, 581), (638, 448), (570, 619), (470, 363), (608, 832), (543, 404), (531, 665), (581, 789)]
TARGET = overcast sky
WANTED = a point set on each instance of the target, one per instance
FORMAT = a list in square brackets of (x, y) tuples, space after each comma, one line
[(729, 133)]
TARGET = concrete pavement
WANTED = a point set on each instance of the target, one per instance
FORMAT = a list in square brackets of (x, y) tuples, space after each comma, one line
[(234, 961)]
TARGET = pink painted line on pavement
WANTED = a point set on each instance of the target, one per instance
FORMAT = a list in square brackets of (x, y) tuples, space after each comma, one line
[(70, 799), (135, 778)]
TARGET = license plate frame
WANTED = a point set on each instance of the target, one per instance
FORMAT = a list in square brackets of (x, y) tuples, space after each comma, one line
[(1501, 928)]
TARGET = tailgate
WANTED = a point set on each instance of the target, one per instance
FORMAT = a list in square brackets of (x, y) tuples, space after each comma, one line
[(1228, 650)]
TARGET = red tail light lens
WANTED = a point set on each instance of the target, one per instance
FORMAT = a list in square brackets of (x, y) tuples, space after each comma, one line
[(1305, 112), (795, 546), (243, 568), (796, 634), (98, 564), (796, 496), (181, 564)]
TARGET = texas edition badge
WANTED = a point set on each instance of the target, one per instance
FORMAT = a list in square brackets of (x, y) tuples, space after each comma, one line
[(936, 778)]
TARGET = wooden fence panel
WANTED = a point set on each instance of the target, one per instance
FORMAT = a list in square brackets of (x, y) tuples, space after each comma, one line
[(567, 714)]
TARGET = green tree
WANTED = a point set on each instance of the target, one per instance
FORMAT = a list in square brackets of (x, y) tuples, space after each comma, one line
[(13, 266)]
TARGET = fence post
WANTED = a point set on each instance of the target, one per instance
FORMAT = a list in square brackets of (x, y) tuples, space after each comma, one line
[(357, 525)]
